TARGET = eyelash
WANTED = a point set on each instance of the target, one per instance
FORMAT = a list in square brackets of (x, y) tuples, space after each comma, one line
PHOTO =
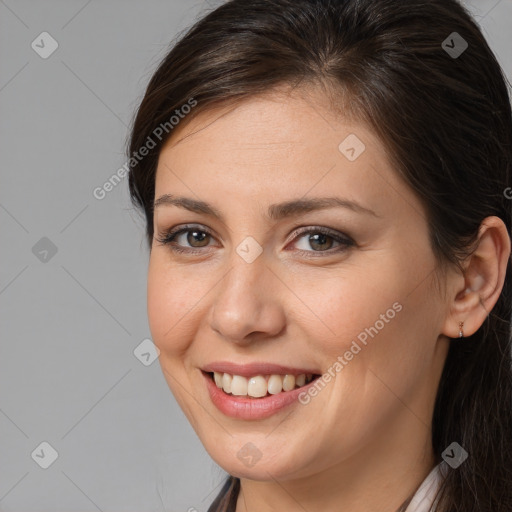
[(170, 235)]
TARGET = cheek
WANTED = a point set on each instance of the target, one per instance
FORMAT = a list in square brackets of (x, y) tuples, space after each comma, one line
[(380, 314), (172, 294), (342, 306)]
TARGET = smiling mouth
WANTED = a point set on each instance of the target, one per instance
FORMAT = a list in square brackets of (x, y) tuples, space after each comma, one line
[(259, 386)]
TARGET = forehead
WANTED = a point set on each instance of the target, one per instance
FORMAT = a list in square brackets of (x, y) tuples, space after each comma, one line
[(277, 119), (276, 146)]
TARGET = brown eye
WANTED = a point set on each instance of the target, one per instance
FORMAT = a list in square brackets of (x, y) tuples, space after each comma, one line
[(185, 239), (197, 238), (322, 240)]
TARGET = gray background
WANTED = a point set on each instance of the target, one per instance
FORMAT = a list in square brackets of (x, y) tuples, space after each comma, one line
[(72, 320)]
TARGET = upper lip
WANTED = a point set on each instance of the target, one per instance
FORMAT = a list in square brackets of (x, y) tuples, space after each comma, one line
[(253, 369)]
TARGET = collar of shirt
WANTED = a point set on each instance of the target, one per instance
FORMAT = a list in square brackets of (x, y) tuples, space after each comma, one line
[(425, 495)]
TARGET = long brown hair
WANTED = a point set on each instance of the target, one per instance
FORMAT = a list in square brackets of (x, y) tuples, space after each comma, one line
[(442, 110)]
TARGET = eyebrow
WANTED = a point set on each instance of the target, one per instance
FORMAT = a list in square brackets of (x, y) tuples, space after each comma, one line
[(275, 212)]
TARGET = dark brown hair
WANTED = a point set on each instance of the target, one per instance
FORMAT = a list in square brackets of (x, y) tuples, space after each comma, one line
[(446, 122)]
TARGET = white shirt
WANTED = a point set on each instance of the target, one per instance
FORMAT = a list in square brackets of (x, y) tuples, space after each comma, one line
[(425, 495)]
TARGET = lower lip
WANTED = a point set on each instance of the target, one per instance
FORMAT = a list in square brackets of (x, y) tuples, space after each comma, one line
[(251, 408)]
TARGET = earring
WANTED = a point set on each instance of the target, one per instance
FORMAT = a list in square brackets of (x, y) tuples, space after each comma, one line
[(461, 334)]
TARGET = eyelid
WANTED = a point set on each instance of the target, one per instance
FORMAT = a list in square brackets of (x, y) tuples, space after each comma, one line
[(333, 233), (167, 234)]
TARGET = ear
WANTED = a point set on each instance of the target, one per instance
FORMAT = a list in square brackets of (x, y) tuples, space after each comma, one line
[(478, 290)]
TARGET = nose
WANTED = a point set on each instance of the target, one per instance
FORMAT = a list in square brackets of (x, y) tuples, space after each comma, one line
[(248, 305)]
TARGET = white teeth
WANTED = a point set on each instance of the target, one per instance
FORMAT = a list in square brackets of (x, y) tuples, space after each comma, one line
[(275, 384), (259, 385), (288, 382), (218, 379), (226, 382), (238, 385)]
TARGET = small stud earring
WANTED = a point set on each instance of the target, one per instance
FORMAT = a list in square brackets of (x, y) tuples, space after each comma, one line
[(461, 334)]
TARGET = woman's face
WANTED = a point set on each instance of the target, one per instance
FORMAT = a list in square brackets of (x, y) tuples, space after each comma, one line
[(342, 288)]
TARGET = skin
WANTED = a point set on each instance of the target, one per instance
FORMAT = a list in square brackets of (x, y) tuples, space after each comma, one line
[(363, 443)]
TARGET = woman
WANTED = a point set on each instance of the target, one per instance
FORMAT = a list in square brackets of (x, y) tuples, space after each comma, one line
[(325, 186)]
